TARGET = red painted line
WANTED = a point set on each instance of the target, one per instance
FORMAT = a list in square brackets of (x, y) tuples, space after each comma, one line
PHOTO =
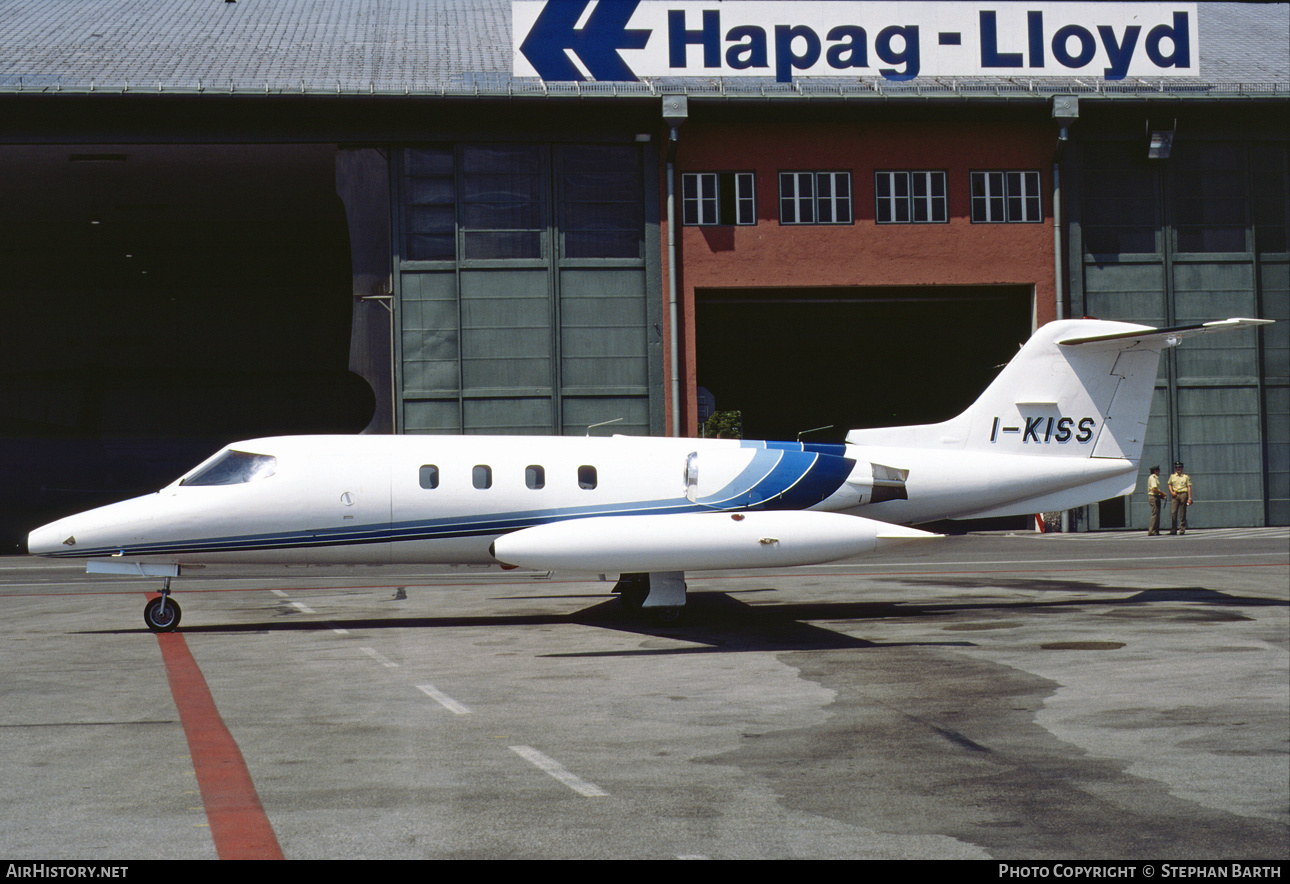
[(239, 825)]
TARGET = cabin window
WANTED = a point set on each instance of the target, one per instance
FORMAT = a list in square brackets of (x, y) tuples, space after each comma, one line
[(429, 476), (234, 468), (482, 476), (535, 477), (586, 477)]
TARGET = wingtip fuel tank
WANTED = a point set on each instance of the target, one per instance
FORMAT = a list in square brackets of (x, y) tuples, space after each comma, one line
[(698, 541)]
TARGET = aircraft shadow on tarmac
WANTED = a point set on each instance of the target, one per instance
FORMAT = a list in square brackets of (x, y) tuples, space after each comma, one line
[(719, 622)]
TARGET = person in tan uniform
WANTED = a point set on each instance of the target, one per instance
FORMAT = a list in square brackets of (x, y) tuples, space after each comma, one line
[(1154, 496), (1180, 491)]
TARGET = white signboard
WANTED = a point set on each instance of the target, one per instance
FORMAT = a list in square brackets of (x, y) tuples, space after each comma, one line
[(630, 39)]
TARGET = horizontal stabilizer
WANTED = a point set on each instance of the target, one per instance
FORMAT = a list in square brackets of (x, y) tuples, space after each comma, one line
[(1166, 336), (1079, 389)]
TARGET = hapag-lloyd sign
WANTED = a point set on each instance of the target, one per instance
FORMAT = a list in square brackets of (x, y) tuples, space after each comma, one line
[(630, 39)]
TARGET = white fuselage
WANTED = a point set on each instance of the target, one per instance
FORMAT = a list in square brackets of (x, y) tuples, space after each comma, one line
[(445, 499), (362, 499)]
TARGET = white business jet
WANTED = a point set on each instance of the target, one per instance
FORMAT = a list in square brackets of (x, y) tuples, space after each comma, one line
[(1061, 426)]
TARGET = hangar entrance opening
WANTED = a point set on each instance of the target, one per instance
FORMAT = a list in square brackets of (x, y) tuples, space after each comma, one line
[(796, 359), (160, 301)]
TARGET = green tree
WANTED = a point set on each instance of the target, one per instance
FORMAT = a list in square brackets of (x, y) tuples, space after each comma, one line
[(724, 425)]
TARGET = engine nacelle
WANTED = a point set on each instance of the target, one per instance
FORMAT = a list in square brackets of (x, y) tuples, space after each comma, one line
[(876, 482)]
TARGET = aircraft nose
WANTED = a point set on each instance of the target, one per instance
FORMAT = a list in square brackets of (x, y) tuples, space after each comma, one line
[(47, 540), (94, 531)]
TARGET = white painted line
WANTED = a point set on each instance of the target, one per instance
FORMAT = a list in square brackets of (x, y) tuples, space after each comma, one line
[(542, 762), (1093, 564), (305, 609), (299, 606), (384, 661), (43, 566), (442, 699)]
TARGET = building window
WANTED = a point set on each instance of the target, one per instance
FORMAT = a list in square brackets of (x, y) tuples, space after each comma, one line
[(1270, 206), (999, 197), (482, 476), (1209, 201), (430, 204), (910, 198), (502, 206), (814, 197), (1121, 214), (429, 476), (601, 201), (724, 198), (535, 477)]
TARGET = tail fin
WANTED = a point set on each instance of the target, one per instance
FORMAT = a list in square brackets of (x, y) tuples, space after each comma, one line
[(1078, 388)]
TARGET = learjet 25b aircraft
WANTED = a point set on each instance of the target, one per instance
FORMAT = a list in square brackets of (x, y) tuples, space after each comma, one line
[(1061, 426)]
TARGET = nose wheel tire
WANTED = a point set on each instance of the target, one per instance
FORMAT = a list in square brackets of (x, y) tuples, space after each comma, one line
[(161, 614)]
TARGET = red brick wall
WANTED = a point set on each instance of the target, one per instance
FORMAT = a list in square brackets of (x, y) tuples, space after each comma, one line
[(864, 252)]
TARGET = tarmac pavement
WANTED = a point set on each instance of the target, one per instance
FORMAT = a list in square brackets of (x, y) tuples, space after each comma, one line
[(985, 696)]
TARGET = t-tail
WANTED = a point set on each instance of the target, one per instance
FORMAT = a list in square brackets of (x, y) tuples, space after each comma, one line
[(1062, 426)]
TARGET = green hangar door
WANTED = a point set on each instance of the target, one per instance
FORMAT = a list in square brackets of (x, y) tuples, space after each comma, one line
[(521, 298)]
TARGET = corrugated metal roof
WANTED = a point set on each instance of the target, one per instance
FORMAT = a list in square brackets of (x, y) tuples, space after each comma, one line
[(463, 47)]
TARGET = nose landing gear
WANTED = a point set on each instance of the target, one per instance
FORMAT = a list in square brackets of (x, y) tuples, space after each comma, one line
[(162, 614)]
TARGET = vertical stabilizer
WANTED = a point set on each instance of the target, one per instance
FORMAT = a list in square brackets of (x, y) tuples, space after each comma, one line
[(1079, 388), (1057, 400)]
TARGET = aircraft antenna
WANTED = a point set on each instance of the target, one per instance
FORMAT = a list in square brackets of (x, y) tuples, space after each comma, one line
[(815, 430), (591, 427)]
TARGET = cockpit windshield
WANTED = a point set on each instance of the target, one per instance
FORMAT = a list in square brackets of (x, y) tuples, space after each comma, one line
[(234, 468)]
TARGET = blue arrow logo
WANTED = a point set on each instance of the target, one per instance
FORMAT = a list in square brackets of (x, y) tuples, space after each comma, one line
[(596, 44)]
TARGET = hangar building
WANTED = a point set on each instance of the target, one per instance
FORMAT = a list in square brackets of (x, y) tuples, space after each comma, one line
[(231, 218)]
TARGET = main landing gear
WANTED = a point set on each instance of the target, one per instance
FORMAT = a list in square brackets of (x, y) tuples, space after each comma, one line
[(162, 614), (661, 595)]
